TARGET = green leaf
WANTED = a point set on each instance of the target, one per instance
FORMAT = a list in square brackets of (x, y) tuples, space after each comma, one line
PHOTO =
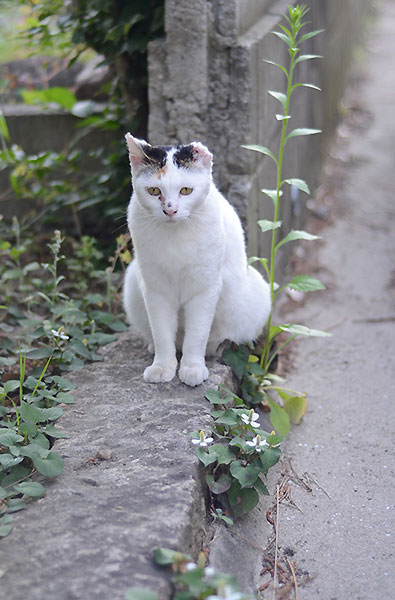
[(271, 62), (223, 452), (11, 385), (34, 489), (309, 35), (296, 407), (304, 57), (15, 505), (64, 398), (52, 414), (307, 85), (305, 283), (278, 418), (261, 149), (269, 225), (60, 95), (5, 528), (53, 432), (261, 487), (283, 37), (217, 397), (34, 450), (31, 414), (228, 417), (263, 262), (8, 460), (9, 438), (246, 476), (299, 183), (140, 594), (279, 96), (272, 194), (61, 382), (220, 485), (297, 235), (302, 330), (4, 131), (16, 474), (237, 360), (301, 131), (206, 458), (242, 501), (166, 556), (51, 466), (39, 353), (269, 458)]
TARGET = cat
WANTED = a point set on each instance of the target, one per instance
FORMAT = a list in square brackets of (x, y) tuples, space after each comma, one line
[(189, 287)]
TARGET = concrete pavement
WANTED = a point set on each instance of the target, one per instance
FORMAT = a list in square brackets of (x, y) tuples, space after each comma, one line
[(339, 533)]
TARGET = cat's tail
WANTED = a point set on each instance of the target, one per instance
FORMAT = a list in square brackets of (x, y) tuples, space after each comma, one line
[(242, 310)]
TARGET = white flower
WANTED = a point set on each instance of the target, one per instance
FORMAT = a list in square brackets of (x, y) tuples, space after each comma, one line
[(203, 440), (191, 566), (251, 419), (257, 443), (59, 334), (226, 593)]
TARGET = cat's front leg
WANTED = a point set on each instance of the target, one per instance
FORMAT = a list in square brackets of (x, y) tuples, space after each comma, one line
[(163, 321), (199, 314)]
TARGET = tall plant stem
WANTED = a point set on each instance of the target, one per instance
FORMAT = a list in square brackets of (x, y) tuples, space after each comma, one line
[(265, 359)]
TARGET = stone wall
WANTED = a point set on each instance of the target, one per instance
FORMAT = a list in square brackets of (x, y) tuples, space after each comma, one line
[(208, 81)]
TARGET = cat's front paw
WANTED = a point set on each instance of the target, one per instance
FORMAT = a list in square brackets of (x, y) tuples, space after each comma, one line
[(160, 373), (193, 375)]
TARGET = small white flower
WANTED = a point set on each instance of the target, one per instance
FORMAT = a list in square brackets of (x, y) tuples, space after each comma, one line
[(251, 419), (190, 566), (257, 443), (226, 593), (59, 334), (209, 571), (203, 440)]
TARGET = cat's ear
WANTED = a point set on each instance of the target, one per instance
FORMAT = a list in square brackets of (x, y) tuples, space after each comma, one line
[(137, 155), (202, 155)]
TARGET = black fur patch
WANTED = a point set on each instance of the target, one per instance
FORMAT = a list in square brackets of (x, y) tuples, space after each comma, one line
[(183, 157), (155, 156)]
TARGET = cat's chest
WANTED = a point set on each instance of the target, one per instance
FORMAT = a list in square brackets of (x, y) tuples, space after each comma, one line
[(178, 258), (173, 250)]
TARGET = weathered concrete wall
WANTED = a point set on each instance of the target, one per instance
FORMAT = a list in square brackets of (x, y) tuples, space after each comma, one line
[(38, 130), (208, 81)]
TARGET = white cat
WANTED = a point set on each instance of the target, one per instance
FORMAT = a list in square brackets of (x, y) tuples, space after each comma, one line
[(189, 286)]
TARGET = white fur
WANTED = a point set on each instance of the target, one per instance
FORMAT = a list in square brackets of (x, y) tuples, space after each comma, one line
[(189, 281)]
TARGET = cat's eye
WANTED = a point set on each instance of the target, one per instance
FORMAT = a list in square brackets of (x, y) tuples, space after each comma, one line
[(185, 191), (153, 191)]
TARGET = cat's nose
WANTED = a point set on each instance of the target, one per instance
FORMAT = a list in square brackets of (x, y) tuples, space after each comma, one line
[(170, 211)]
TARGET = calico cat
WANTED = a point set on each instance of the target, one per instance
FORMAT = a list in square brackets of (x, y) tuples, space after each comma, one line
[(189, 286)]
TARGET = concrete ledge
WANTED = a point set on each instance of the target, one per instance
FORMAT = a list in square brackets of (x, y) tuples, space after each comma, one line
[(93, 534)]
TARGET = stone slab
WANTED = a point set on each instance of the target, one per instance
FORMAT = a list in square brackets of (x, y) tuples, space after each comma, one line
[(92, 536)]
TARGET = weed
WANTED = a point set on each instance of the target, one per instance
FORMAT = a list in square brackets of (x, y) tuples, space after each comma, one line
[(192, 581), (44, 333), (253, 368)]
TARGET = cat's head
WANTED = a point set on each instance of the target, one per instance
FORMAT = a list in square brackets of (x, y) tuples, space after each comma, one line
[(170, 181)]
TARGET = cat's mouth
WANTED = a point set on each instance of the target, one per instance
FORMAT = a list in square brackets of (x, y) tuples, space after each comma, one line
[(172, 219)]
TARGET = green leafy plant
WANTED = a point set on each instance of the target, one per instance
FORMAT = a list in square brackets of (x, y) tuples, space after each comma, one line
[(44, 333), (254, 368), (237, 454), (191, 580)]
